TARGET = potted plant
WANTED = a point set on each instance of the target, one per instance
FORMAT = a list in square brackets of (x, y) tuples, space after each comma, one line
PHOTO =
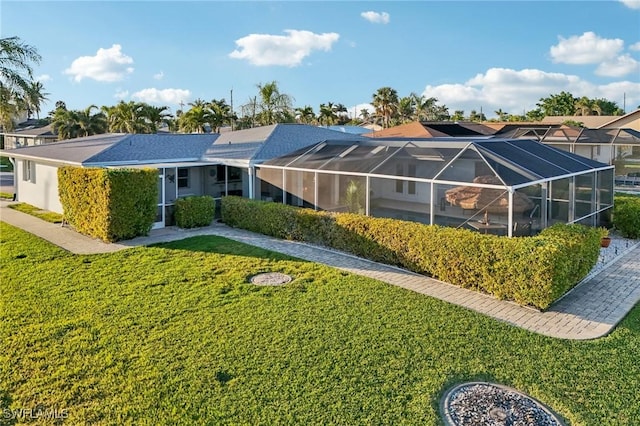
[(605, 240)]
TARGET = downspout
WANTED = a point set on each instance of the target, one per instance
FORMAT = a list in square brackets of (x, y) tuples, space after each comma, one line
[(510, 218), (252, 177), (14, 163)]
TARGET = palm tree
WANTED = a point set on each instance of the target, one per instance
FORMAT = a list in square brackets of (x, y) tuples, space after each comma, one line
[(586, 106), (15, 64), (305, 115), (127, 117), (156, 116), (424, 108), (273, 106), (8, 108), (35, 96), (501, 114), (385, 101), (194, 120), (406, 109), (65, 123), (327, 115), (16, 73), (90, 124)]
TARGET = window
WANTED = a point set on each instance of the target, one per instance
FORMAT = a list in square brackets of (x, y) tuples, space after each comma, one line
[(399, 183), (29, 171), (412, 184), (183, 178)]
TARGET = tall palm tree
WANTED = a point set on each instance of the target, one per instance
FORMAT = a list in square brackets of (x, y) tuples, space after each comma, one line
[(385, 101), (502, 116), (273, 106), (35, 96)]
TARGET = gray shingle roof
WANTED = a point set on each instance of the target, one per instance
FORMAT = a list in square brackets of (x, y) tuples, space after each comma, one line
[(155, 148), (72, 151)]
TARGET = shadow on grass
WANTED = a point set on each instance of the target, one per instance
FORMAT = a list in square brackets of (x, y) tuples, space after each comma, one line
[(222, 245)]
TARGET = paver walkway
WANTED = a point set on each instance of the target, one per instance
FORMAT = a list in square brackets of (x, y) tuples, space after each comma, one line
[(590, 310)]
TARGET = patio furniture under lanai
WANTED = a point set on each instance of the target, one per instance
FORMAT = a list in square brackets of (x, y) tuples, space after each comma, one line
[(489, 200)]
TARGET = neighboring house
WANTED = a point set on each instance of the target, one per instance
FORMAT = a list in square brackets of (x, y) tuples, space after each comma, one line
[(627, 121), (446, 181), (29, 136)]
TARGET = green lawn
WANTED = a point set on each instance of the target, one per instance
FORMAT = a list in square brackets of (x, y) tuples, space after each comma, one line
[(174, 335), (46, 215)]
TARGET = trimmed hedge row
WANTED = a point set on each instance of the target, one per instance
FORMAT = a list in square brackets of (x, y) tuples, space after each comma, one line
[(193, 212), (110, 204), (626, 215), (533, 271)]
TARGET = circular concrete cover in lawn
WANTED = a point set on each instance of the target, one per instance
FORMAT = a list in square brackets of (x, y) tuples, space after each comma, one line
[(487, 404), (270, 278)]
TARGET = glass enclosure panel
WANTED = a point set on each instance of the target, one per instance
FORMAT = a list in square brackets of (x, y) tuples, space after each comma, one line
[(585, 195), (466, 168), (170, 189), (234, 182), (269, 184), (559, 201), (300, 189), (426, 162), (605, 188), (361, 159), (527, 211), (214, 177)]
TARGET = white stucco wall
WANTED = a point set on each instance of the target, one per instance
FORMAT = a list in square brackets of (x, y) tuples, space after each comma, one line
[(43, 192)]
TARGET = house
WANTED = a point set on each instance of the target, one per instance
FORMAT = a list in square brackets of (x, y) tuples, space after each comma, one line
[(187, 164), (518, 185), (29, 136)]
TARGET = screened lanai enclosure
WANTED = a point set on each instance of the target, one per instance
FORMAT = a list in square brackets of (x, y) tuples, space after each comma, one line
[(504, 187)]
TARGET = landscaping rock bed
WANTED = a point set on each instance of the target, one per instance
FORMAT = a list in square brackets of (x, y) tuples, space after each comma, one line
[(487, 404)]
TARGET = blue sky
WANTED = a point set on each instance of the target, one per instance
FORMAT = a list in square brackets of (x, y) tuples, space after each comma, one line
[(470, 55)]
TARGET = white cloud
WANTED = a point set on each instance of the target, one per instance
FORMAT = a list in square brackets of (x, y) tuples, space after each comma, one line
[(289, 50), (588, 48), (121, 94), (158, 76), (631, 4), (635, 46), (43, 78), (162, 96), (376, 17), (619, 67), (513, 91), (107, 65)]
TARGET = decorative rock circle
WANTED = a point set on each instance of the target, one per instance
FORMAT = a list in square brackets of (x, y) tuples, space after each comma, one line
[(489, 404), (270, 278)]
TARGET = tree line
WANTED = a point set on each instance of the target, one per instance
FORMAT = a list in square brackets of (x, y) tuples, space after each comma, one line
[(19, 92)]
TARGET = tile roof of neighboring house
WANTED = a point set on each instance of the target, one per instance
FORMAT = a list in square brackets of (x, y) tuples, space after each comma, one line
[(356, 130), (593, 121), (410, 130)]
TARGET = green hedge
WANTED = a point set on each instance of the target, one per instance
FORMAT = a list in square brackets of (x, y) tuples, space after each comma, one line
[(532, 271), (193, 212), (626, 215), (110, 204)]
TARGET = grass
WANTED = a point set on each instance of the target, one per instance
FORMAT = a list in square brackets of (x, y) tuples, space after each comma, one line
[(37, 212), (6, 195), (174, 334), (6, 164)]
